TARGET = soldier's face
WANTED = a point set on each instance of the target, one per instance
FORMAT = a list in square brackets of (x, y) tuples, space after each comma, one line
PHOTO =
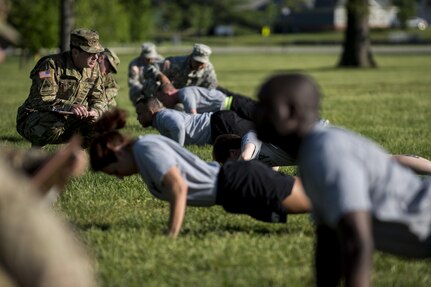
[(124, 166), (196, 66), (144, 115), (83, 59)]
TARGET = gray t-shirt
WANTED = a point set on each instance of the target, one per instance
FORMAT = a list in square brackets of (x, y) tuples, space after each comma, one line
[(266, 152), (202, 99), (155, 155), (184, 128), (344, 172)]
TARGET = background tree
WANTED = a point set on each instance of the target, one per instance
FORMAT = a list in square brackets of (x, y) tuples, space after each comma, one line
[(37, 21), (406, 10), (356, 45), (67, 21), (108, 18), (140, 18), (200, 19)]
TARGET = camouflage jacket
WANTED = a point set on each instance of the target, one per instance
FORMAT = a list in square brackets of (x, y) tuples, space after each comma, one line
[(138, 82), (57, 84), (177, 69), (111, 89)]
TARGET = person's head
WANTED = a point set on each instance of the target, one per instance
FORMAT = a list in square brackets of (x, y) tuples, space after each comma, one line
[(146, 109), (149, 53), (111, 151), (288, 106), (226, 147), (108, 61), (85, 46), (289, 103), (168, 95), (200, 57)]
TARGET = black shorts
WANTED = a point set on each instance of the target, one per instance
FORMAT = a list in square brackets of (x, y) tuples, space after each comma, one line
[(245, 107), (228, 122), (251, 187)]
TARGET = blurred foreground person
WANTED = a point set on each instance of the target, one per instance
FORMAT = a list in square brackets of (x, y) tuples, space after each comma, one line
[(174, 174), (362, 198), (36, 247), (48, 172), (66, 94), (8, 34), (249, 147)]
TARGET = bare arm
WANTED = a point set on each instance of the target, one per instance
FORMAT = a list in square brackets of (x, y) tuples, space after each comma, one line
[(418, 164), (248, 151), (357, 246), (327, 257), (177, 198), (297, 201)]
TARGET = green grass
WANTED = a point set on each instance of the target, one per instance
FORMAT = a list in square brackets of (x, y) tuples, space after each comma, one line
[(123, 225)]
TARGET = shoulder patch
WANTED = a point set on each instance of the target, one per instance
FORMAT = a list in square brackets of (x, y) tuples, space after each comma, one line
[(46, 74)]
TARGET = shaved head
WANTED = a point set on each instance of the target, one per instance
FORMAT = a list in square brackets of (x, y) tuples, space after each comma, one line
[(290, 103), (288, 107)]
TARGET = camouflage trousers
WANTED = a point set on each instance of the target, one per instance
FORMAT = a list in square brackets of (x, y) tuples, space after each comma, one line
[(42, 128)]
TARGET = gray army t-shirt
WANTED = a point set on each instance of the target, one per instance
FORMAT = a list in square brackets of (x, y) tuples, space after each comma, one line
[(202, 99), (265, 152), (343, 172), (184, 128), (156, 154)]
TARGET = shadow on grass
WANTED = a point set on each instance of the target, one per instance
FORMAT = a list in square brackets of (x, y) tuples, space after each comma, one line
[(308, 70), (237, 229), (13, 139), (88, 226)]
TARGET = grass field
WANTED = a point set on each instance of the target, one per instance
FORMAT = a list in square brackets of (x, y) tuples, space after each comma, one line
[(123, 225)]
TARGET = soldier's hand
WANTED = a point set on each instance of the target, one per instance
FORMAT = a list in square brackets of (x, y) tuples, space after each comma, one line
[(80, 111), (166, 65), (92, 114), (151, 72)]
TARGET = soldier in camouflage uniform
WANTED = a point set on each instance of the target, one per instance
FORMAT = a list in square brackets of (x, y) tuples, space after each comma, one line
[(109, 63), (66, 95), (140, 83), (192, 70)]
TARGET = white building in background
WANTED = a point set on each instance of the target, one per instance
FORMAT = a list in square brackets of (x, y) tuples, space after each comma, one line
[(382, 14)]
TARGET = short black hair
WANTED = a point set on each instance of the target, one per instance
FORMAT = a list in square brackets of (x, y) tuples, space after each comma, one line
[(149, 102), (222, 145)]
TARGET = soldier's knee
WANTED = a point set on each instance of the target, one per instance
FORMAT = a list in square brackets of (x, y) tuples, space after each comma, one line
[(42, 129)]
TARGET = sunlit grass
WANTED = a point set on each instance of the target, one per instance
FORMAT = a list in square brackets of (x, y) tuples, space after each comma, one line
[(124, 226)]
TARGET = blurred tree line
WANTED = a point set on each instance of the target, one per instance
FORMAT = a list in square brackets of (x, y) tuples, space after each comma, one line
[(124, 21)]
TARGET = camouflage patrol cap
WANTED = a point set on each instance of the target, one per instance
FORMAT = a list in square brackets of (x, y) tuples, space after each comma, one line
[(201, 53), (112, 58), (149, 50), (87, 40)]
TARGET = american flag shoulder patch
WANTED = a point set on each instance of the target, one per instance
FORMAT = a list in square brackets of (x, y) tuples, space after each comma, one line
[(45, 74)]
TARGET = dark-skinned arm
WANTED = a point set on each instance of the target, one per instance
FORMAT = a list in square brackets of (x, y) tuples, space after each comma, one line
[(327, 257), (355, 230)]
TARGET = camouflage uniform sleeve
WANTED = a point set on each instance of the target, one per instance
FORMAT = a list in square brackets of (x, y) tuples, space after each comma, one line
[(111, 87), (44, 87), (211, 78), (97, 100)]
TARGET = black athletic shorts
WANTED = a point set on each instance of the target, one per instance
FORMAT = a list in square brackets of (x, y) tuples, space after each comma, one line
[(228, 122), (251, 187), (245, 107)]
